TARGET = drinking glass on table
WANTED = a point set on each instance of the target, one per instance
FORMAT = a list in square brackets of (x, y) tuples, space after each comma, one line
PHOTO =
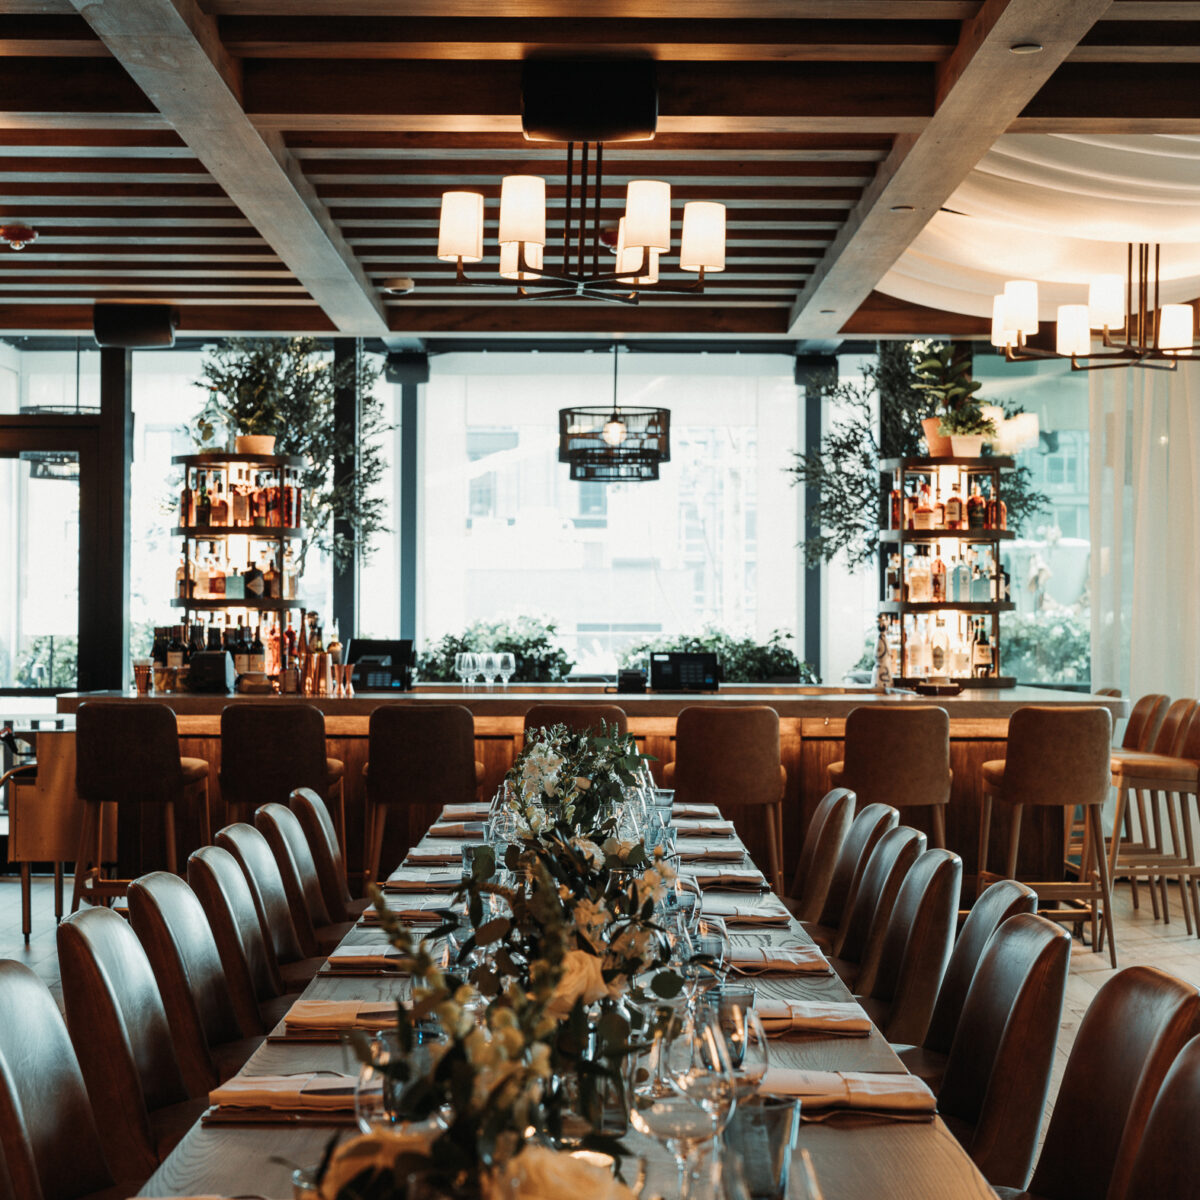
[(489, 668), (461, 662), (707, 961), (731, 1006), (507, 664), (381, 1094)]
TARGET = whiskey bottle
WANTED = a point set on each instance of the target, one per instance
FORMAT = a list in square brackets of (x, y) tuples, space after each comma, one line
[(181, 577), (186, 515), (939, 511), (976, 509), (239, 501), (258, 653), (219, 514), (203, 508), (937, 580), (923, 513), (895, 505), (954, 509), (241, 650), (981, 653), (175, 648)]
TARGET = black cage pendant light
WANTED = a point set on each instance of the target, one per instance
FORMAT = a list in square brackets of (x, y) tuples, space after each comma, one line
[(614, 443)]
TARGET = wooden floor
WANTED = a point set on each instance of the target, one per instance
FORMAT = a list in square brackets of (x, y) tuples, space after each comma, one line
[(1140, 939)]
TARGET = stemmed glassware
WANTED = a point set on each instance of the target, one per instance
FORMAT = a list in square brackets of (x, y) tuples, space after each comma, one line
[(709, 953), (466, 667), (489, 668), (731, 1007), (507, 666)]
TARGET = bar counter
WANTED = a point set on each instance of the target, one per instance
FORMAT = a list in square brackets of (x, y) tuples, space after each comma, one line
[(812, 723)]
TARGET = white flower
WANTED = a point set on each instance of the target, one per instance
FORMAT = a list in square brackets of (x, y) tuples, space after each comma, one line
[(539, 1173), (582, 978), (590, 851), (591, 920), (379, 1150)]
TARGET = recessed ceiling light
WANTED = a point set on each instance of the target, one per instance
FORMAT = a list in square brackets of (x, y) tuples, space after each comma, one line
[(1026, 48), (902, 208), (398, 285)]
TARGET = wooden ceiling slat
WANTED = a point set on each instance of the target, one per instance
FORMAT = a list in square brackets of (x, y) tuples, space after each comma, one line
[(1102, 96), (730, 192), (721, 10), (197, 321), (40, 141)]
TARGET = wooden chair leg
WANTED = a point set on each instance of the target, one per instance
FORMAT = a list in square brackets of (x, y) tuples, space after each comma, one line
[(773, 848), (1173, 803), (939, 826), (1189, 842), (89, 852), (1105, 883), (58, 892), (169, 833), (985, 822), (1014, 841), (1152, 845), (341, 817), (26, 900), (378, 822)]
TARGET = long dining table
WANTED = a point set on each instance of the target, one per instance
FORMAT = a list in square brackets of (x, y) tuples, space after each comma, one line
[(856, 1156)]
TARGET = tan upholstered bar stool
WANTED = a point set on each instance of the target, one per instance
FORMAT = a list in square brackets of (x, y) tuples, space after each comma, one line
[(899, 755), (127, 755), (421, 757), (730, 757), (577, 717), (1057, 758), (269, 750)]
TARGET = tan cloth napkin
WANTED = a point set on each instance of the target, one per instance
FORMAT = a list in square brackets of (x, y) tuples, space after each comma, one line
[(735, 910), (435, 855), (364, 958), (423, 879), (812, 1016), (791, 960), (697, 811), (476, 811), (696, 850), (286, 1093), (456, 829), (311, 1016), (415, 910), (872, 1091), (703, 827), (743, 878)]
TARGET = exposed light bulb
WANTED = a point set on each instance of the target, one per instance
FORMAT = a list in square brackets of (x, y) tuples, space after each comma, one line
[(614, 431)]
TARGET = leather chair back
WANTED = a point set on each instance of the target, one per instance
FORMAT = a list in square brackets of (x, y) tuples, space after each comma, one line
[(267, 750), (1167, 1160), (819, 855), (1189, 742), (313, 814), (127, 750), (1144, 722), (285, 836), (581, 717), (49, 1145), (1058, 756), (997, 1075), (916, 945), (1174, 728), (728, 756), (1130, 1035), (258, 864), (247, 959), (860, 939), (175, 934), (898, 755), (120, 1033), (868, 827), (1002, 900)]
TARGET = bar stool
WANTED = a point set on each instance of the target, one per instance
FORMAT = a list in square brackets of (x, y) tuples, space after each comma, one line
[(127, 754), (269, 750), (579, 718), (420, 757), (730, 757), (1057, 758), (899, 756)]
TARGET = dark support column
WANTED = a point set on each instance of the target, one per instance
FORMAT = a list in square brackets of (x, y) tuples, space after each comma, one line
[(409, 370), (104, 607), (345, 415)]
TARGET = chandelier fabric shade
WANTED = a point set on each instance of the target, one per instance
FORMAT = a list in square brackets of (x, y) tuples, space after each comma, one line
[(460, 231)]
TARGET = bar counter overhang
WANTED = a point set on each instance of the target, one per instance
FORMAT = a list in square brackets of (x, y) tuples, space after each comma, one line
[(812, 726)]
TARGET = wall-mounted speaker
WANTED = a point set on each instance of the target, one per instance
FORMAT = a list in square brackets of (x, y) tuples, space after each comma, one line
[(135, 326)]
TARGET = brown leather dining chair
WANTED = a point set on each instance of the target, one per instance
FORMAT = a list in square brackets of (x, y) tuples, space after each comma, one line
[(1002, 900), (1132, 1032), (730, 757), (317, 824), (916, 948), (269, 750), (285, 835), (998, 1070), (127, 762), (868, 827), (175, 934), (854, 953), (899, 755), (256, 987), (253, 854), (49, 1145), (421, 758), (123, 1042), (827, 830), (581, 718)]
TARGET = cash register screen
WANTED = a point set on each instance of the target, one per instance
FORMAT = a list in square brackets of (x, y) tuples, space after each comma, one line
[(681, 672), (380, 663)]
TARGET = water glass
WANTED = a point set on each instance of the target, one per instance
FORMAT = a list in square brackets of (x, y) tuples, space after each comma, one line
[(470, 854), (489, 668), (507, 664), (763, 1134), (379, 1093), (731, 1005)]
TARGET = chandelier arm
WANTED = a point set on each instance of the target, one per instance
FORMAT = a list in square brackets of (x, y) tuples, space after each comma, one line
[(583, 198), (566, 254), (596, 208)]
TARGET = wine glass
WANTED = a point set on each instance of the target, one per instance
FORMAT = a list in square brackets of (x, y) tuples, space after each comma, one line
[(460, 667), (507, 665), (711, 950), (731, 1006), (380, 1100), (489, 668)]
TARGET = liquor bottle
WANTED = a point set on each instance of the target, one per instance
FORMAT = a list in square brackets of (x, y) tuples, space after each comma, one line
[(291, 500), (895, 588), (920, 650), (258, 653), (158, 651), (910, 510), (923, 513), (316, 639), (239, 501), (258, 502), (939, 649), (937, 579), (216, 576), (271, 581), (241, 650), (289, 638), (976, 509), (175, 650), (960, 656), (335, 647), (920, 581), (186, 515), (181, 578), (997, 512), (213, 637), (981, 654), (939, 511), (219, 514), (289, 574), (895, 505), (203, 503), (881, 675), (196, 640), (954, 508)]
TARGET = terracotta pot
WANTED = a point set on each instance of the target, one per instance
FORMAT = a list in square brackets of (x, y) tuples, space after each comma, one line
[(966, 445), (939, 447), (255, 444)]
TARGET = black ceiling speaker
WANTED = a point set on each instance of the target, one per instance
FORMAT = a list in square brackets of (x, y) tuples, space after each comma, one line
[(589, 100), (135, 326)]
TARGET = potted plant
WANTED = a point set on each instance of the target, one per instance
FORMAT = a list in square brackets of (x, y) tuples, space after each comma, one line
[(944, 375), (967, 429)]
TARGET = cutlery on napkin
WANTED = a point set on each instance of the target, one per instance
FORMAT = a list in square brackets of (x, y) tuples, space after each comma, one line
[(812, 1016), (694, 850), (703, 827), (791, 960), (287, 1093), (326, 1016), (742, 879), (456, 829), (770, 910), (434, 855), (415, 910), (423, 879), (358, 958), (701, 811), (475, 811), (902, 1095)]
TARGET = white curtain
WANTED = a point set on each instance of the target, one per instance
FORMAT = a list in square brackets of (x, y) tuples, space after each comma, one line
[(1145, 530)]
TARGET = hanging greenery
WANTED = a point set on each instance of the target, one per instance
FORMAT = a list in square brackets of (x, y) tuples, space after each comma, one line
[(286, 387)]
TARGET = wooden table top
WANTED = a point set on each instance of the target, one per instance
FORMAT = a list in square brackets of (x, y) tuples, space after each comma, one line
[(856, 1158)]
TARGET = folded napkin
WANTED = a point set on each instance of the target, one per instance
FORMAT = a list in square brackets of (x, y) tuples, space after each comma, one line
[(739, 878), (287, 1093), (901, 1094), (358, 958), (438, 855), (415, 910), (423, 879), (456, 829), (812, 1016), (699, 811), (769, 910), (792, 960), (313, 1016), (695, 850), (476, 811), (703, 827)]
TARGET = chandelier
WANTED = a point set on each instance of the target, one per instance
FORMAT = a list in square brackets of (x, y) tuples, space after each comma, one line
[(1136, 331), (585, 104), (612, 444)]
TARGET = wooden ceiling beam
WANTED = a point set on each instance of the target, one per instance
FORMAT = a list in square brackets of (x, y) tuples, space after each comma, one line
[(172, 51), (980, 90), (809, 10), (1099, 97), (531, 317), (885, 316)]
